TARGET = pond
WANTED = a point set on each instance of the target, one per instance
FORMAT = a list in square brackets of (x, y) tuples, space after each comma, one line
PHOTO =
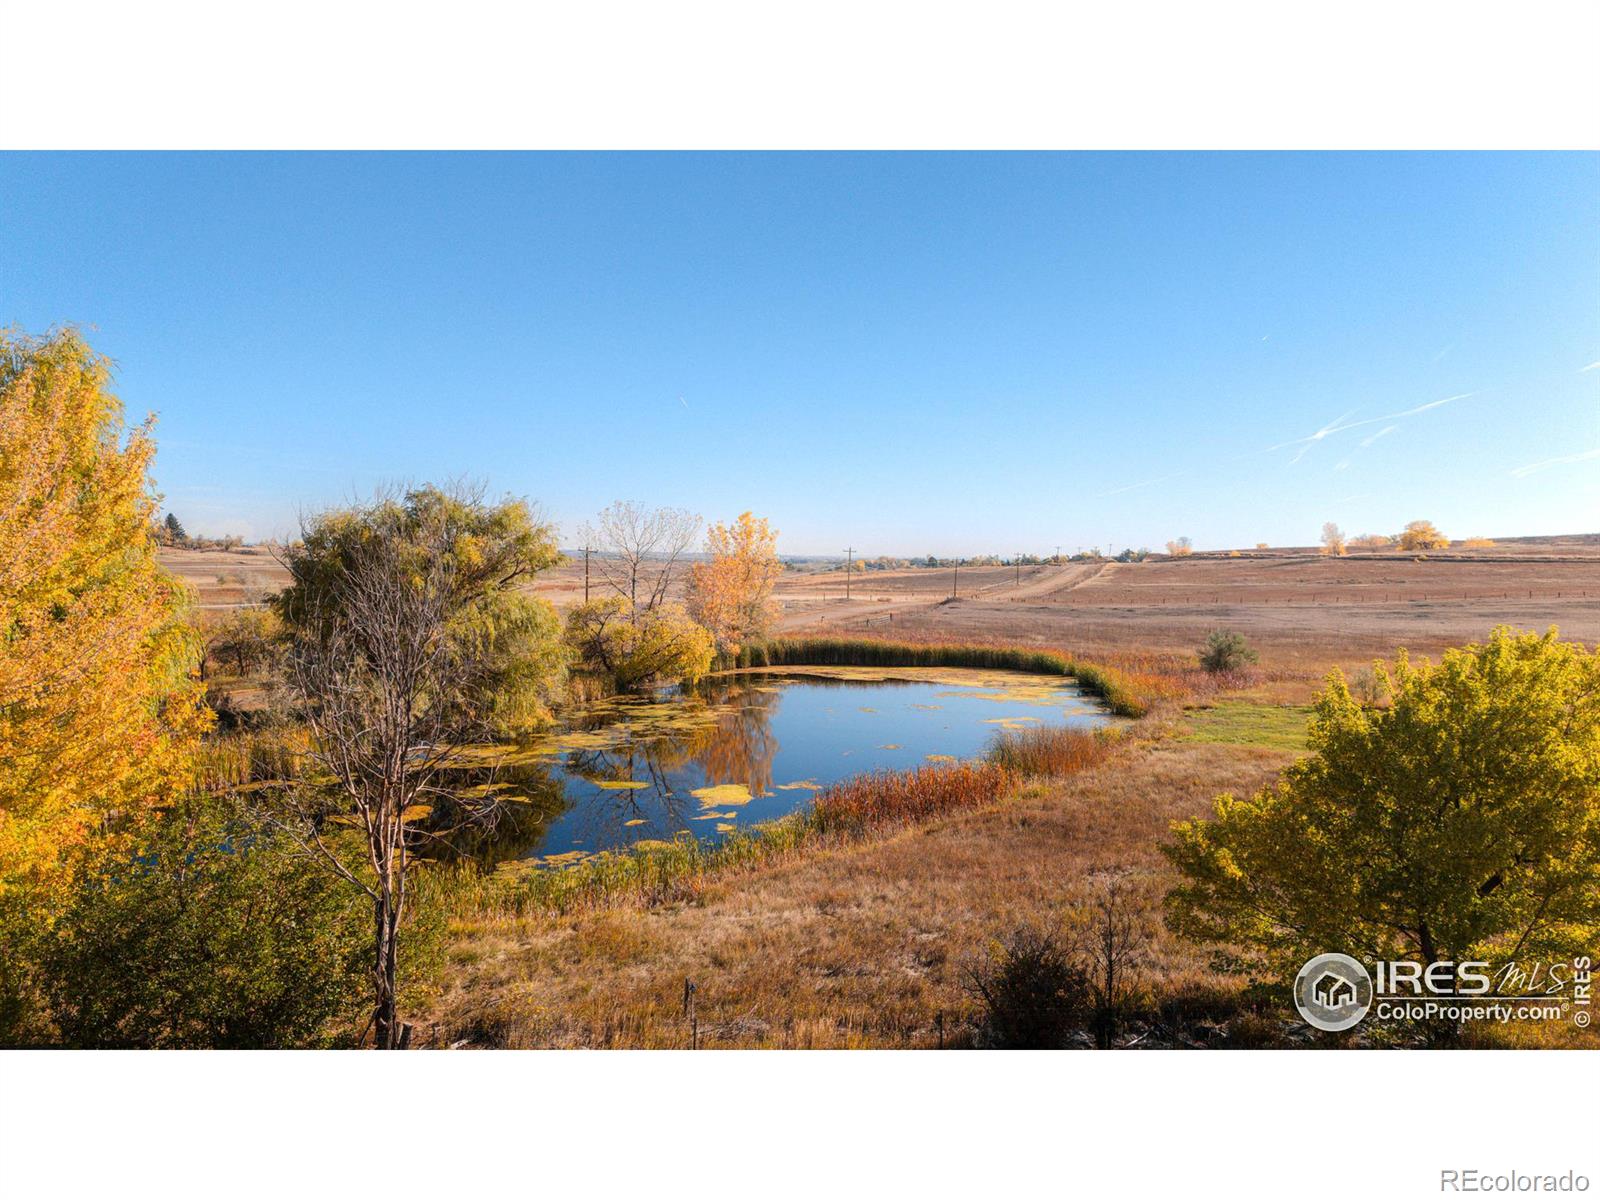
[(742, 748)]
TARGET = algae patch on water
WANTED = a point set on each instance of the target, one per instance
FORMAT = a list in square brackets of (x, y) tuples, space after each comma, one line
[(722, 793), (562, 860)]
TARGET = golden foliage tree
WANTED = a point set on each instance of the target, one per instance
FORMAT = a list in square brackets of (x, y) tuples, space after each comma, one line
[(731, 595), (98, 707), (1332, 539), (1422, 535), (634, 650)]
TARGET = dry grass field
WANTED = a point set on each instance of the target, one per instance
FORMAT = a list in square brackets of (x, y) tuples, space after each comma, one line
[(859, 946), (224, 579), (1304, 612)]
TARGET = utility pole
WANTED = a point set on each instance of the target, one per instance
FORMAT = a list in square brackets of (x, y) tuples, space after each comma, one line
[(1058, 556), (849, 565), (955, 582), (586, 550), (1018, 564)]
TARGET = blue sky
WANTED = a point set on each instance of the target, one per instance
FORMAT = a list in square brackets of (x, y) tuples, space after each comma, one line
[(904, 353)]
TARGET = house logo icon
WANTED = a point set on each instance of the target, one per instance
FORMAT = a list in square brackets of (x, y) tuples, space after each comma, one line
[(1333, 992)]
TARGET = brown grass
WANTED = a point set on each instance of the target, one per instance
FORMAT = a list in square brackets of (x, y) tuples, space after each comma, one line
[(858, 944)]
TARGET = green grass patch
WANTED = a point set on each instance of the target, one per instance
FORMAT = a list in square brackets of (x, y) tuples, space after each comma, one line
[(1239, 723)]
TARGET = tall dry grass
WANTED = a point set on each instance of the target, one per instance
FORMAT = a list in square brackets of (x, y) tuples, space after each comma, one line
[(896, 797), (1047, 751), (240, 758)]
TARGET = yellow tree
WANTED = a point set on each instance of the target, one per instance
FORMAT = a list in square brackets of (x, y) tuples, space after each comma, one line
[(1332, 538), (731, 595), (1422, 535), (98, 704)]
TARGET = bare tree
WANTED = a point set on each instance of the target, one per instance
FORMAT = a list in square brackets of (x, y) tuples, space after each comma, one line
[(641, 549), (390, 690), (1332, 539), (1113, 942)]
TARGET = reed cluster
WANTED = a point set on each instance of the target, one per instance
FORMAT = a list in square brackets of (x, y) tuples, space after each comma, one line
[(1109, 684), (897, 797), (1047, 750), (236, 759)]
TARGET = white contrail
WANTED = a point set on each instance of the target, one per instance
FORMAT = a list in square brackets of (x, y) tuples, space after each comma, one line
[(1340, 425), (1135, 486), (1384, 432), (1583, 456)]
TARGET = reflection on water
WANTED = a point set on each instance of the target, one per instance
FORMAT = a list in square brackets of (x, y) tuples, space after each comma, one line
[(737, 750)]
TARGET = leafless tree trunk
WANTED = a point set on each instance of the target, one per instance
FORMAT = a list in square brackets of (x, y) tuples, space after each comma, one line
[(641, 549), (374, 672), (1113, 941)]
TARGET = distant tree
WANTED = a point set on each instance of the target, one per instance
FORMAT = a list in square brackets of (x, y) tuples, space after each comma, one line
[(175, 530), (1372, 541), (1476, 543), (1261, 546), (731, 594), (99, 711), (641, 550), (1332, 539), (1226, 651), (1459, 820), (1422, 535), (246, 638), (409, 638), (633, 651), (1177, 548)]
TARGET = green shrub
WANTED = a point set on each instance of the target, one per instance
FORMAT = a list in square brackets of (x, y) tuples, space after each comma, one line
[(1226, 651), (217, 934)]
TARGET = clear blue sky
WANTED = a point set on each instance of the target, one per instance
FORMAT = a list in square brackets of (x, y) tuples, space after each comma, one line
[(903, 353)]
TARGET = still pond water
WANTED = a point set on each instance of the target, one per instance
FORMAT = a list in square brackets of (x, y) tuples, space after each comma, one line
[(744, 748)]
